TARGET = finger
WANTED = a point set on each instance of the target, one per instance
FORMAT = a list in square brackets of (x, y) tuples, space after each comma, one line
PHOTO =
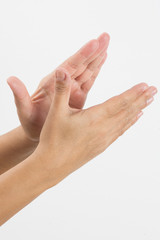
[(123, 101), (21, 95), (126, 115), (103, 40), (39, 94), (141, 102), (86, 75), (130, 123), (62, 89), (145, 99), (76, 64), (89, 83), (75, 61)]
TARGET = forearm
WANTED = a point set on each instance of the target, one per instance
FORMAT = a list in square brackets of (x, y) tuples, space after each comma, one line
[(14, 148), (20, 185)]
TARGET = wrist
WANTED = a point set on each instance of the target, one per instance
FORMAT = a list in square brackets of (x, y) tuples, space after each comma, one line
[(31, 144), (38, 161), (39, 174), (52, 165)]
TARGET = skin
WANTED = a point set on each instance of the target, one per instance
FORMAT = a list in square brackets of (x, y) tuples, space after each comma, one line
[(69, 138), (14, 148), (83, 68)]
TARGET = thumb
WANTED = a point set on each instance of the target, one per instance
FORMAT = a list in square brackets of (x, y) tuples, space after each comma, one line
[(62, 89), (21, 95)]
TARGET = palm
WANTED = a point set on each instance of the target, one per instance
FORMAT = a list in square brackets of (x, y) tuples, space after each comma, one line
[(83, 68)]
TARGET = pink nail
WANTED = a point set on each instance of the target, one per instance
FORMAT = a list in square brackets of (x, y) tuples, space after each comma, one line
[(150, 100), (60, 75), (144, 88), (154, 91), (139, 114)]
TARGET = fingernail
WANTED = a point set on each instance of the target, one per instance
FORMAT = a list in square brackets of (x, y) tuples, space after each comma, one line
[(60, 75), (150, 100), (144, 88), (139, 114), (154, 91), (106, 36)]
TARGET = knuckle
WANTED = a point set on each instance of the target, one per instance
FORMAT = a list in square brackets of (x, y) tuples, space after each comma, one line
[(73, 65), (123, 102), (137, 106), (111, 106), (60, 87), (147, 95), (109, 112)]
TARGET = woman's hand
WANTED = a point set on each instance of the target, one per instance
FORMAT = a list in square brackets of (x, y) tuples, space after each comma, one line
[(71, 137), (83, 68)]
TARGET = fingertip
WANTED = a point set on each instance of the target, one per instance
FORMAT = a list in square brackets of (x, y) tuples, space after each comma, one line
[(139, 114), (140, 88), (14, 82), (10, 79), (103, 41), (154, 90), (94, 44), (18, 88), (62, 89), (105, 36), (144, 86), (62, 74), (62, 83)]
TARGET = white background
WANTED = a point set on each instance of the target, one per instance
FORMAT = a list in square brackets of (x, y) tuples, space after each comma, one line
[(116, 195)]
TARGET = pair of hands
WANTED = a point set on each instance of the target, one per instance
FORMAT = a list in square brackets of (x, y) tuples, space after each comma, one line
[(71, 136)]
